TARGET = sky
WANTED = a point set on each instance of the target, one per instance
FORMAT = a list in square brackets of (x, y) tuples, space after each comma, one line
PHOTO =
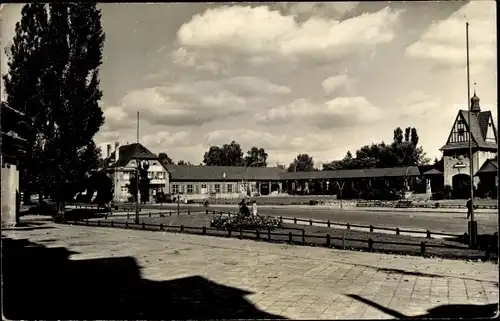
[(316, 78)]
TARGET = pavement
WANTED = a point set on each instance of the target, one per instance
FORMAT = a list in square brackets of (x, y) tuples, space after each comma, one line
[(444, 222), (270, 280)]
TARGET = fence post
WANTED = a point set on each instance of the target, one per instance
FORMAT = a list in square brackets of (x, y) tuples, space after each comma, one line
[(328, 240), (294, 220), (428, 234), (303, 237), (348, 226), (161, 226), (149, 213), (422, 248), (213, 212), (189, 212), (229, 233), (370, 244), (170, 213), (105, 216), (87, 222), (281, 219), (241, 234), (328, 223), (126, 224), (143, 225), (128, 215), (257, 233), (397, 230), (310, 222), (206, 212), (204, 230), (98, 222), (269, 233), (182, 228), (290, 237), (371, 228), (111, 223)]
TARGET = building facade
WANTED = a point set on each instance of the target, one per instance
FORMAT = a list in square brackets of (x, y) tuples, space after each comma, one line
[(125, 167), (456, 155)]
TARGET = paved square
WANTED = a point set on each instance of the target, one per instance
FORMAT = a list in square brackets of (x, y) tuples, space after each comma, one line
[(290, 281)]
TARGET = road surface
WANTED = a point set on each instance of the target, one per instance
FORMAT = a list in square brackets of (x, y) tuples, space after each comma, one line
[(433, 221)]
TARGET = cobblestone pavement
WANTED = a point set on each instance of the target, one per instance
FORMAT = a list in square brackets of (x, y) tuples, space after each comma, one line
[(290, 281)]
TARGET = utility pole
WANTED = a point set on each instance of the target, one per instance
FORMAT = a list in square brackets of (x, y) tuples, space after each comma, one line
[(137, 176), (472, 224)]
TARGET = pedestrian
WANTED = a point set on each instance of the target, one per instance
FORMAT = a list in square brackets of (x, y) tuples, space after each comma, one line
[(469, 207), (254, 208)]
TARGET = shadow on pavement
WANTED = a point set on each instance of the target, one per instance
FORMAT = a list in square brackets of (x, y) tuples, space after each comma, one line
[(43, 283), (444, 311), (399, 271)]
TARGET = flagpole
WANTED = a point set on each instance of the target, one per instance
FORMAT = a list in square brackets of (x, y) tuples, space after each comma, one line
[(472, 225)]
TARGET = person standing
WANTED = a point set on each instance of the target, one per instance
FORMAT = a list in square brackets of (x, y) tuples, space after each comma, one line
[(469, 207), (254, 208)]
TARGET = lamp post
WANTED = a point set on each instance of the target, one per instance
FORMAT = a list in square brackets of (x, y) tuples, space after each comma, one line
[(137, 176), (472, 226)]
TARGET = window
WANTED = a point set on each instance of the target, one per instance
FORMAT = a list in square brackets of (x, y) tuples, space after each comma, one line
[(229, 188), (160, 175), (150, 175), (204, 186), (190, 189), (175, 188), (124, 189), (217, 188)]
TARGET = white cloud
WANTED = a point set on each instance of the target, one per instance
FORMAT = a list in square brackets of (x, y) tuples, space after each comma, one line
[(332, 84), (338, 112), (444, 40), (260, 31)]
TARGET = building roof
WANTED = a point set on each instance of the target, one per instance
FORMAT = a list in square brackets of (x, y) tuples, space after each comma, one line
[(490, 166), (128, 152), (478, 128), (433, 172), (221, 173)]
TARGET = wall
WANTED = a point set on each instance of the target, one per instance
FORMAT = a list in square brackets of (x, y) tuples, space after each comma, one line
[(479, 157), (123, 176), (10, 186), (198, 191)]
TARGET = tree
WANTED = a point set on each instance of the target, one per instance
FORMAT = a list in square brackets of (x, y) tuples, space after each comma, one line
[(164, 159), (182, 162), (302, 163), (256, 157), (227, 155), (132, 186), (281, 166), (54, 79)]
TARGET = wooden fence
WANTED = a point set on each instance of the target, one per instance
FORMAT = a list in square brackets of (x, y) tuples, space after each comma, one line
[(262, 235)]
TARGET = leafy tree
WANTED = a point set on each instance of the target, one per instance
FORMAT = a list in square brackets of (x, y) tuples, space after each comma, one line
[(144, 184), (54, 78), (132, 186), (302, 163), (164, 159), (227, 155), (281, 166), (256, 157), (182, 162)]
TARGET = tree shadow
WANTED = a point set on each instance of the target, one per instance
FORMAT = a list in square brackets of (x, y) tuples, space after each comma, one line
[(43, 283), (445, 311)]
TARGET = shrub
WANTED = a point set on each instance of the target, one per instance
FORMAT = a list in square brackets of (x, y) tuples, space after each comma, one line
[(241, 221)]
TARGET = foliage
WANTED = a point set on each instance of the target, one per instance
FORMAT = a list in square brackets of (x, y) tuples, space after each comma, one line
[(98, 182), (403, 151), (281, 166), (144, 185), (232, 155), (54, 79), (242, 221), (132, 186), (302, 163), (181, 162), (164, 159), (256, 157)]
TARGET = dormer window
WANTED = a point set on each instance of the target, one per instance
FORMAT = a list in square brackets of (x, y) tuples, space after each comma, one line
[(490, 124)]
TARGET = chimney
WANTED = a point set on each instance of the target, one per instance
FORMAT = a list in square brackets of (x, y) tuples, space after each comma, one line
[(117, 151), (108, 150)]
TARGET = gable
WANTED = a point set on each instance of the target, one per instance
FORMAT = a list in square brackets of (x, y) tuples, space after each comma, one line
[(491, 135), (460, 131)]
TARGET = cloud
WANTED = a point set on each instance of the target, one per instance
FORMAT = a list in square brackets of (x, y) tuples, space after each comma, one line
[(261, 33), (338, 112), (332, 84), (444, 41)]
